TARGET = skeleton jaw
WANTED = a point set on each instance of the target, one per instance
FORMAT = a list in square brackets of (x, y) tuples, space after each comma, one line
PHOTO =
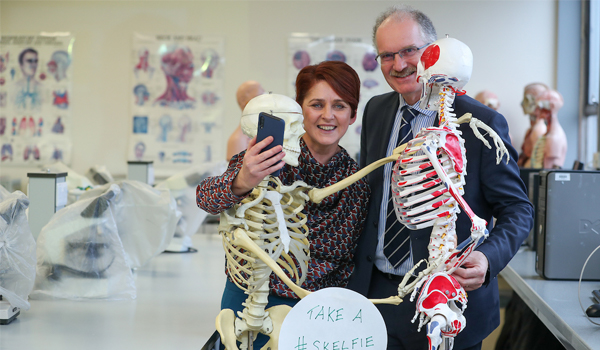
[(291, 155)]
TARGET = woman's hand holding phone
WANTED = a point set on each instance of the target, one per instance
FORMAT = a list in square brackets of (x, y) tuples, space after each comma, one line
[(256, 165)]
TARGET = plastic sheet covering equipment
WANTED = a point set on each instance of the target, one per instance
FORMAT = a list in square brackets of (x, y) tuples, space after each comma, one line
[(146, 219), (17, 249), (80, 254), (183, 188)]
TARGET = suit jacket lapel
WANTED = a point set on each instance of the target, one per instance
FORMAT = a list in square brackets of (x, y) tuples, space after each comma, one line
[(389, 115)]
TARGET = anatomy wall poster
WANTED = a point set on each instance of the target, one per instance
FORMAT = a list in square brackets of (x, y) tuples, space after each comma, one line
[(35, 85), (359, 53), (176, 100)]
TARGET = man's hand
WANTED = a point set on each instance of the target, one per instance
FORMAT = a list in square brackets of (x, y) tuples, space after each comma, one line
[(256, 166), (471, 275)]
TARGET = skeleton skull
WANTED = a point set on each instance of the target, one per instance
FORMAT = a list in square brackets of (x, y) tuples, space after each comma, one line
[(283, 107), (446, 62)]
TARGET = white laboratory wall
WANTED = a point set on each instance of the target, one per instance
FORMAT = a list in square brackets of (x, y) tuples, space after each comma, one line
[(513, 43)]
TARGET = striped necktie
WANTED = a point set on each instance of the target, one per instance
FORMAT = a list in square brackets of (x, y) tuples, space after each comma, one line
[(396, 242)]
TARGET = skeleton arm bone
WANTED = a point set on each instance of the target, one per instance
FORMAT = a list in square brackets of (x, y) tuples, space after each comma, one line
[(464, 119), (241, 239), (475, 123), (478, 228), (318, 194)]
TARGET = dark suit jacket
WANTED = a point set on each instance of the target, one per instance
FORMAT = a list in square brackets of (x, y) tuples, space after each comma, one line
[(492, 191)]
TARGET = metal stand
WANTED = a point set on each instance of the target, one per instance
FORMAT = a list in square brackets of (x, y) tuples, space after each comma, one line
[(47, 194), (142, 171)]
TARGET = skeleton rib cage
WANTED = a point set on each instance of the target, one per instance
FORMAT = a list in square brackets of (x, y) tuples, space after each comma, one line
[(257, 215), (421, 196)]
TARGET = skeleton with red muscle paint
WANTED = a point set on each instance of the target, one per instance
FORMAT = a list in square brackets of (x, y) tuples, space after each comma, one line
[(428, 183), (427, 187)]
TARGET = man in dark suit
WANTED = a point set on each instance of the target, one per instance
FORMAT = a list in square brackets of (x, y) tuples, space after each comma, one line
[(491, 190)]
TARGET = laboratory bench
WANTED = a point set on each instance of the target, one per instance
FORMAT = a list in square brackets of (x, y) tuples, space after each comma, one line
[(555, 302), (178, 298)]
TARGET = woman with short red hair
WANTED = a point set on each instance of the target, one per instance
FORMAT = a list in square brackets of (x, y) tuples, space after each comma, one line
[(328, 93)]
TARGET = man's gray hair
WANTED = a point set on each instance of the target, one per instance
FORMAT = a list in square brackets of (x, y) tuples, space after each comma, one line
[(399, 12)]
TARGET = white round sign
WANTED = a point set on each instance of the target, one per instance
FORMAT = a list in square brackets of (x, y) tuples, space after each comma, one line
[(333, 319)]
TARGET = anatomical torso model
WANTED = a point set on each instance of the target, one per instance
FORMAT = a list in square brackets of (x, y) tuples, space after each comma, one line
[(550, 150), (537, 124)]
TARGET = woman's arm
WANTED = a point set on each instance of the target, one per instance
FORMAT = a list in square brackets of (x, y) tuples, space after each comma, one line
[(214, 194), (245, 171)]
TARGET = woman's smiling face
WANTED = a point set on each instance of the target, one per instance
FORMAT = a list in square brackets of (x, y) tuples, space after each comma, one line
[(326, 117)]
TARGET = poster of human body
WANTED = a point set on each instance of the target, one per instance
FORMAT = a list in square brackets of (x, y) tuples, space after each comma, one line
[(359, 53), (176, 100), (35, 84)]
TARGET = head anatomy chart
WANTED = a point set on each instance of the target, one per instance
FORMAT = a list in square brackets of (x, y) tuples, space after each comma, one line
[(35, 84), (176, 91), (358, 53)]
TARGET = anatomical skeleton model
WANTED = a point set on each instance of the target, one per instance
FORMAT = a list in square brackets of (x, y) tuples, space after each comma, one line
[(265, 232), (427, 190)]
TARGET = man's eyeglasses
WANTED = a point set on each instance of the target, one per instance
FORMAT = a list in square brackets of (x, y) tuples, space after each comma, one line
[(31, 60), (408, 53)]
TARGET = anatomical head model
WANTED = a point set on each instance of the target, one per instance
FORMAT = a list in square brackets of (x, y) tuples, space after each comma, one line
[(489, 99), (530, 94), (447, 63)]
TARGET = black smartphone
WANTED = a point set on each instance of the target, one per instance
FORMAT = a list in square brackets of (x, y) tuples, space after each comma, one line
[(270, 125)]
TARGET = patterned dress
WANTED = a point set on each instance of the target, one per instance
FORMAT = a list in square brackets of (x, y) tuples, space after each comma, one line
[(334, 225)]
